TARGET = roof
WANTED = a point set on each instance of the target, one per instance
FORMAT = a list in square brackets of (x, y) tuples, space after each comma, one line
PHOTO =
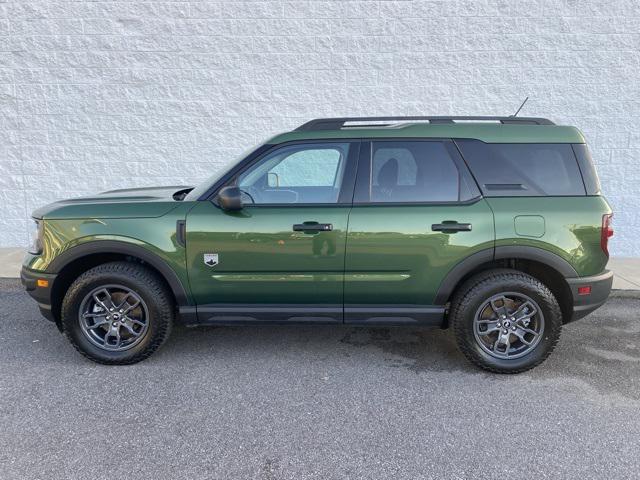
[(494, 132)]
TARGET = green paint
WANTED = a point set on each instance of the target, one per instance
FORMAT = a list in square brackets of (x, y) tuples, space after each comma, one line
[(529, 225), (261, 259), (393, 256), (374, 255), (156, 234), (572, 227)]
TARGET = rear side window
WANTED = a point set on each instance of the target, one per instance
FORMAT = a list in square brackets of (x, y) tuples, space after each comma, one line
[(416, 172), (523, 169)]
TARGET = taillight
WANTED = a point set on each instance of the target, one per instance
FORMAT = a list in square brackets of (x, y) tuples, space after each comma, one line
[(606, 233)]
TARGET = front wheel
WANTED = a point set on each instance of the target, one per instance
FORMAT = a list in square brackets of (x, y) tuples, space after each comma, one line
[(117, 313), (506, 321)]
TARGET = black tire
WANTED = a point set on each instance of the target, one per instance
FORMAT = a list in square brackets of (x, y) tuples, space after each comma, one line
[(476, 292), (144, 283)]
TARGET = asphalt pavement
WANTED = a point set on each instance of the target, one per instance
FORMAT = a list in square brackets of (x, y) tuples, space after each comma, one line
[(317, 402)]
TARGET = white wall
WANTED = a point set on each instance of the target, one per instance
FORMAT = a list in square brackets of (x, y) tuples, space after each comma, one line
[(102, 95)]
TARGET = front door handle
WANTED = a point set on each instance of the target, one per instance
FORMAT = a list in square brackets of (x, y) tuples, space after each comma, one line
[(312, 227), (449, 226)]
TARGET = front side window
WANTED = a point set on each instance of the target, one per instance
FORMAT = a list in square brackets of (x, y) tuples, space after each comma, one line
[(302, 173), (415, 171)]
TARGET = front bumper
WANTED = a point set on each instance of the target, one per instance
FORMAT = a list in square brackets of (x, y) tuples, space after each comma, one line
[(600, 289), (40, 294)]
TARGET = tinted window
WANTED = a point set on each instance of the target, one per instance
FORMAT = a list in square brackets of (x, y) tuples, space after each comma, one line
[(415, 172), (589, 175), (307, 168), (310, 173), (523, 169)]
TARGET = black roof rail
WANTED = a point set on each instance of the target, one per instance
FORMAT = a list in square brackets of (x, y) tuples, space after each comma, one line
[(338, 123)]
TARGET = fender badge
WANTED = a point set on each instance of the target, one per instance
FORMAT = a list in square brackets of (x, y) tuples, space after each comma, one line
[(211, 259)]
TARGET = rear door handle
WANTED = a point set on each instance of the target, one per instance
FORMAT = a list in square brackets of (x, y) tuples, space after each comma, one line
[(312, 227), (451, 227)]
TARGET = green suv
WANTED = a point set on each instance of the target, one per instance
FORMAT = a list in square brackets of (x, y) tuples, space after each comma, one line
[(492, 226)]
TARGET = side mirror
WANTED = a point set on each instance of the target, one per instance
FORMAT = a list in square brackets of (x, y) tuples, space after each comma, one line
[(273, 180), (230, 198)]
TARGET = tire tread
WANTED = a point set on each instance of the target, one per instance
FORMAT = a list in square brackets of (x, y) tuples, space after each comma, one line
[(161, 296), (468, 293)]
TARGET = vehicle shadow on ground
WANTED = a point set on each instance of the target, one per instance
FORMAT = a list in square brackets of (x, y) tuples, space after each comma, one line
[(601, 351), (427, 349)]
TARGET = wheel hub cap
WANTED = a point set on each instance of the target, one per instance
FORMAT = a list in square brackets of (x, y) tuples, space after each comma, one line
[(113, 317), (508, 325)]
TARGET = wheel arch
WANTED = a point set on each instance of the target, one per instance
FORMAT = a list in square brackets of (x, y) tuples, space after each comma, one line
[(549, 268), (73, 262)]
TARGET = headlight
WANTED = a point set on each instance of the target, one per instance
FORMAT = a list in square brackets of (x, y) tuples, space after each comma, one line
[(36, 238)]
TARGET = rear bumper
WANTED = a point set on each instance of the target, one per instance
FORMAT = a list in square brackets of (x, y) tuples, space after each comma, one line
[(42, 295), (600, 289)]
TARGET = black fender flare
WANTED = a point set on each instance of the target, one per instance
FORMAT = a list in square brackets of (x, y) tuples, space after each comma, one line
[(540, 255), (457, 273), (123, 248)]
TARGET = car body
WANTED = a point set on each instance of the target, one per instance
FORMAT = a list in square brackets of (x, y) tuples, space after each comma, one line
[(354, 221)]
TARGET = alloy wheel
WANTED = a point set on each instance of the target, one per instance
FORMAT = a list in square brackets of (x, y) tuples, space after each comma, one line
[(113, 317), (508, 325)]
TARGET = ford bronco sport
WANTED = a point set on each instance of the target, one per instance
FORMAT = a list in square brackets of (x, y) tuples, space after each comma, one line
[(492, 226)]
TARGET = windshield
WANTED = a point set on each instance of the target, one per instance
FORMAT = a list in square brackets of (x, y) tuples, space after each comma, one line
[(204, 186)]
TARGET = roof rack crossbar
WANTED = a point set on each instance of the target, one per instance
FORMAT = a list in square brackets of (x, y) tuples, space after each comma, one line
[(338, 123)]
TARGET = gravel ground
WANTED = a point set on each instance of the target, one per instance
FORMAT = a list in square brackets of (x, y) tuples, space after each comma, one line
[(317, 402)]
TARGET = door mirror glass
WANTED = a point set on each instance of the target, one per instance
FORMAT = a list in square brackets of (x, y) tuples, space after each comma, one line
[(273, 179), (230, 198)]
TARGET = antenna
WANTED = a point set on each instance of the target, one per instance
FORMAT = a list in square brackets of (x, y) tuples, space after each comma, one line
[(518, 111)]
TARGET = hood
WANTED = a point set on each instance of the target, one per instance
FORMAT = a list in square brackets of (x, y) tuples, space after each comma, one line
[(126, 203)]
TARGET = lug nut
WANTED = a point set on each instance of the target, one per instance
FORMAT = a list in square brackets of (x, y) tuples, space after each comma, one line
[(499, 325), (505, 331), (513, 328)]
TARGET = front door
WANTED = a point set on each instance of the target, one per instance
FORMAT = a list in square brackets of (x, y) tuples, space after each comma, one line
[(282, 256), (417, 212)]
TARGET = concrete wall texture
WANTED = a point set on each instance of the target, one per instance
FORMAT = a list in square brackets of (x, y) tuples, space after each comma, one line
[(98, 95)]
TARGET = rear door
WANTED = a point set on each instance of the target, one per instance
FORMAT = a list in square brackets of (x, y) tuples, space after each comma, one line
[(282, 256), (417, 212)]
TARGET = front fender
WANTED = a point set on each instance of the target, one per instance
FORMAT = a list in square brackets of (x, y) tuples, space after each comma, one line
[(147, 253), (153, 240)]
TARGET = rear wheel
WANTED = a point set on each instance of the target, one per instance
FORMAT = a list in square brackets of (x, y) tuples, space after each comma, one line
[(505, 321), (117, 313)]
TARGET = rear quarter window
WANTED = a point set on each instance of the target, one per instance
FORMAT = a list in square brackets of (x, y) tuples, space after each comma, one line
[(589, 175), (523, 169)]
